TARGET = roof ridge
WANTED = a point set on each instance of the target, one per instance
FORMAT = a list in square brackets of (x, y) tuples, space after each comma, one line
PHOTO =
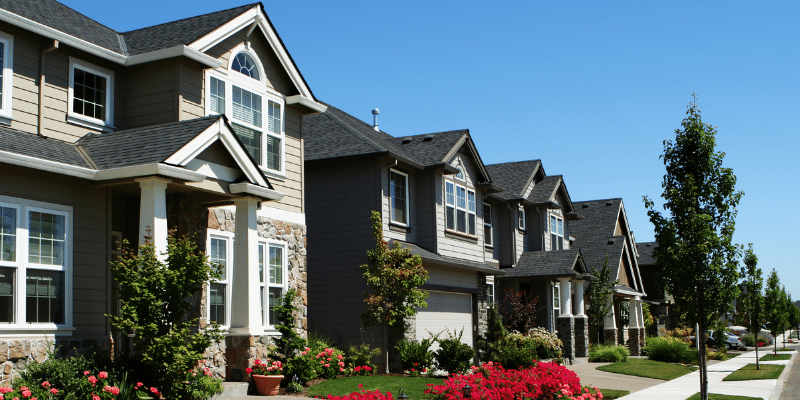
[(539, 160), (587, 201), (434, 133), (355, 132), (87, 17), (188, 18)]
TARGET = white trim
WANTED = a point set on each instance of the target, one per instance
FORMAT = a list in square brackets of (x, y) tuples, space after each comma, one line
[(407, 221), (107, 124), (149, 169), (305, 101), (241, 78), (228, 237), (218, 35), (521, 222), (282, 215), (46, 165), (171, 52), (6, 109), (258, 191), (214, 170), (488, 224), (283, 285)]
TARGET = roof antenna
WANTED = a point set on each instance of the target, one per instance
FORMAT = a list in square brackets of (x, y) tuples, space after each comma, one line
[(375, 113)]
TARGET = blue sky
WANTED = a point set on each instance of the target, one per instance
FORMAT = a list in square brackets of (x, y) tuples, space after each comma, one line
[(590, 88)]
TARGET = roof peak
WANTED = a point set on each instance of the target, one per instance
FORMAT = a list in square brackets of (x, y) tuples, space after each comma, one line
[(246, 6)]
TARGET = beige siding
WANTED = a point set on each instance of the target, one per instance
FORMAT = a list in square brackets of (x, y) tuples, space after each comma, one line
[(292, 186), (452, 245), (451, 277), (190, 88), (150, 94)]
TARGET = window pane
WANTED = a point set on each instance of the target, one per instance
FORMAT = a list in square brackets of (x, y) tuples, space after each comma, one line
[(471, 224), (556, 298), (561, 227), (44, 296), (261, 263), (218, 254), (274, 301), (217, 100), (274, 122), (471, 201), (397, 195), (46, 238), (449, 197), (276, 264), (487, 235), (451, 218), (461, 197), (487, 214), (89, 94), (6, 295), (8, 234), (244, 64), (246, 106), (273, 153), (2, 64), (553, 226), (461, 221), (251, 140), (216, 303)]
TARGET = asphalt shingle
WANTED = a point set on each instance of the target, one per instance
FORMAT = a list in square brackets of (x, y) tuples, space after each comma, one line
[(31, 145), (513, 177), (547, 264)]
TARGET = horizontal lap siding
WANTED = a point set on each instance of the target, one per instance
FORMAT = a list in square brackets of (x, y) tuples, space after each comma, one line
[(150, 94), (292, 186), (90, 238), (412, 199)]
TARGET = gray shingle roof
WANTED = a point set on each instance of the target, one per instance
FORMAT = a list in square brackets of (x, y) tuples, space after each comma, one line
[(429, 148), (594, 234), (513, 177), (434, 258), (545, 190), (646, 253), (547, 263), (40, 147), (145, 145)]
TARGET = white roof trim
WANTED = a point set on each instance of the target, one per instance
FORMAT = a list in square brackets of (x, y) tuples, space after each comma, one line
[(258, 191), (46, 165), (305, 101), (174, 51), (242, 21), (150, 169)]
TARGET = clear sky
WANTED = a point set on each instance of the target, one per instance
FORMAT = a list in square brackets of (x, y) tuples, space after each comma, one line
[(590, 88)]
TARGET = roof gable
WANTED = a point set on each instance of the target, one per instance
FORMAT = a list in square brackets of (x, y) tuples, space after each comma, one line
[(516, 177), (561, 263)]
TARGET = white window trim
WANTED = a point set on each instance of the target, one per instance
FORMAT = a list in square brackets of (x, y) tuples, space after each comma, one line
[(487, 223), (106, 125), (23, 206), (6, 110), (228, 237), (259, 87), (284, 280), (490, 294), (456, 208), (557, 298), (408, 200), (555, 233), (521, 218)]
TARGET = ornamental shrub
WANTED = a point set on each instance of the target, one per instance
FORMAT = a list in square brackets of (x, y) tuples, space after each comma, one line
[(669, 349), (517, 351), (416, 358), (364, 395), (360, 355), (548, 345), (748, 340), (454, 356), (608, 353), (329, 363), (488, 344)]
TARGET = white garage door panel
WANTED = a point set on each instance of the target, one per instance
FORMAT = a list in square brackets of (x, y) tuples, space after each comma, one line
[(451, 311)]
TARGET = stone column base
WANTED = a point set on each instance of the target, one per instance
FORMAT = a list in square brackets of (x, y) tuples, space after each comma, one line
[(610, 337), (566, 332), (634, 343), (581, 336)]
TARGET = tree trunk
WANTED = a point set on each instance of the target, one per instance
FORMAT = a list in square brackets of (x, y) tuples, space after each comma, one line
[(386, 346), (758, 366), (701, 340)]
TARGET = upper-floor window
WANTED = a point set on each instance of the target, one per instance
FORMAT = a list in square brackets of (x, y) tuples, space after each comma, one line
[(91, 94), (521, 218), (398, 197), (6, 75), (272, 273), (256, 113), (220, 254), (459, 208), (487, 224), (556, 233)]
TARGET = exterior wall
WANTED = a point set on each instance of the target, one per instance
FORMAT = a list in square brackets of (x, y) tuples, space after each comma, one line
[(455, 245), (293, 185), (150, 96), (427, 203), (505, 233), (395, 231)]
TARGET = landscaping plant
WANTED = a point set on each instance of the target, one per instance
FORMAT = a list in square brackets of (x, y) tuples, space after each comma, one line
[(598, 293), (453, 356), (752, 300), (488, 345), (360, 357), (608, 353), (669, 349), (289, 345), (416, 358), (519, 310)]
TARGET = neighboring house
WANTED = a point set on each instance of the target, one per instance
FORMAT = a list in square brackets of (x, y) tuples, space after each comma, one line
[(661, 302), (602, 234), (108, 135), (431, 191), (533, 214)]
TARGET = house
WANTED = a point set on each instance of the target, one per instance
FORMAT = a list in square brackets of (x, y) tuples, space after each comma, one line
[(535, 213), (661, 302), (193, 125), (604, 234), (431, 191)]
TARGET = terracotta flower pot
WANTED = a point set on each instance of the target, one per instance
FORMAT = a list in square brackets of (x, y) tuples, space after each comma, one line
[(267, 385)]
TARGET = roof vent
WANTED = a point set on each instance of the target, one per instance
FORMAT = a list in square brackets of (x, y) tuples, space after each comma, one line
[(405, 140), (585, 206), (609, 204), (375, 113), (610, 241), (427, 138)]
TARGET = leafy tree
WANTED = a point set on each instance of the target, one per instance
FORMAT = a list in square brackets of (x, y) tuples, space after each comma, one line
[(794, 315), (519, 310), (695, 252), (786, 311), (155, 298), (752, 300), (774, 306), (599, 291), (394, 276)]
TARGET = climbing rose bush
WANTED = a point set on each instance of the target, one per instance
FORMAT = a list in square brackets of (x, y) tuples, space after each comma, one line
[(543, 381)]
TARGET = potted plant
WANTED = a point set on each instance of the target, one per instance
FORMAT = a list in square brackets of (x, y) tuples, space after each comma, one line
[(267, 376)]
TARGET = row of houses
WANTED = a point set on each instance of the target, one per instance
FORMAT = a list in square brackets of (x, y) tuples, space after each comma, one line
[(206, 126)]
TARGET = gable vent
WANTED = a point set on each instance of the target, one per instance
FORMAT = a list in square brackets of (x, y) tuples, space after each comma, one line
[(405, 140), (427, 138)]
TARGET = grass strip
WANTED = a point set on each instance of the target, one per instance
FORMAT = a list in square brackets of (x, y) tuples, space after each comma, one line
[(612, 393), (714, 396), (776, 357), (647, 369), (414, 387), (749, 372)]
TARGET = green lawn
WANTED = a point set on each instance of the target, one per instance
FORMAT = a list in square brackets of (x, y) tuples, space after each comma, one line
[(612, 393), (749, 372), (775, 357), (414, 387), (785, 349), (713, 396), (647, 369)]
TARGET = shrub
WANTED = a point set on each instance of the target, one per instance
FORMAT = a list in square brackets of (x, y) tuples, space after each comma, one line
[(329, 363), (487, 345), (454, 356), (360, 356), (548, 344), (363, 395), (608, 353), (517, 351), (519, 310), (748, 340), (416, 357), (668, 349)]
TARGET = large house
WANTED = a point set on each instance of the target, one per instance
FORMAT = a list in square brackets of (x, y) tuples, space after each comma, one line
[(193, 125)]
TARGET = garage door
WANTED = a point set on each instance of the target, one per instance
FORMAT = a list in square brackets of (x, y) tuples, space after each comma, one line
[(452, 311)]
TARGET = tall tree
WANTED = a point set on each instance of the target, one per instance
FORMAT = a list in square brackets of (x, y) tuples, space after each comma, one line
[(752, 300), (794, 316), (599, 292), (695, 249), (774, 306)]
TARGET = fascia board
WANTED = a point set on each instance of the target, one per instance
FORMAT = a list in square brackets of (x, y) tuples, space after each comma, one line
[(258, 191), (305, 101), (150, 169), (239, 154), (195, 146), (217, 35), (46, 165), (174, 51), (67, 39)]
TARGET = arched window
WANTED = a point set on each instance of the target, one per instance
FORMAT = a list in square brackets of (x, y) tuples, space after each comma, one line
[(244, 63)]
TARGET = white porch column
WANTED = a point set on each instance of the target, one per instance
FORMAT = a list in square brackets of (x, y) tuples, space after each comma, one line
[(610, 321), (246, 299), (153, 212), (580, 308), (565, 294), (634, 315)]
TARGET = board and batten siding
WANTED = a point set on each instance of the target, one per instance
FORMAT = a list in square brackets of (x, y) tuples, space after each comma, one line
[(90, 271)]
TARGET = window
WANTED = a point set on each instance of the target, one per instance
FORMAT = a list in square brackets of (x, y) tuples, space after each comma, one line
[(557, 299), (487, 224), (556, 233), (35, 262), (90, 95), (459, 208), (398, 197), (521, 218), (272, 273), (219, 253), (490, 293), (6, 75), (256, 112)]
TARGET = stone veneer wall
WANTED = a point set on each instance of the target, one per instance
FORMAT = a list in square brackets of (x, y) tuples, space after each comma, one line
[(483, 305), (228, 359), (610, 336), (566, 332), (634, 345), (581, 336), (16, 354)]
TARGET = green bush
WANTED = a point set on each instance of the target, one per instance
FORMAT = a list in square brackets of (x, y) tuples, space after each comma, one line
[(608, 353), (548, 345), (416, 357), (517, 351), (361, 355), (454, 356), (748, 340), (488, 344), (668, 349)]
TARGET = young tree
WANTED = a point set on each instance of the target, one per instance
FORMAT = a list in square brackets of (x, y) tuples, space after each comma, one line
[(794, 316), (599, 291), (394, 276), (774, 306), (519, 311), (752, 301), (695, 251)]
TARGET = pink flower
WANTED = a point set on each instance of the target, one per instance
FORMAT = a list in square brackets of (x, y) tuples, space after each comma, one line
[(103, 374), (45, 384), (26, 393), (5, 389), (54, 391), (92, 380), (85, 373), (139, 384), (360, 385), (95, 397), (327, 365), (154, 391), (339, 356), (249, 370), (357, 369)]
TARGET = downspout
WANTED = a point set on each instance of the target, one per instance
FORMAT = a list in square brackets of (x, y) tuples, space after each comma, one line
[(42, 64)]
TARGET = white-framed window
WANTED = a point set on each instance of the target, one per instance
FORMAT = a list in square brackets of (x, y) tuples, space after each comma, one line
[(490, 293), (487, 224), (272, 272), (398, 197), (556, 233), (220, 253), (6, 76), (459, 208), (521, 218), (35, 249), (91, 95), (557, 299), (256, 112)]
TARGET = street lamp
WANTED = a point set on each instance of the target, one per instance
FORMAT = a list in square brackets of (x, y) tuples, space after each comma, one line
[(467, 390), (402, 395)]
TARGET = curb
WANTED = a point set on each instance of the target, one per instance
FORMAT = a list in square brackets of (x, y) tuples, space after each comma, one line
[(783, 378)]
